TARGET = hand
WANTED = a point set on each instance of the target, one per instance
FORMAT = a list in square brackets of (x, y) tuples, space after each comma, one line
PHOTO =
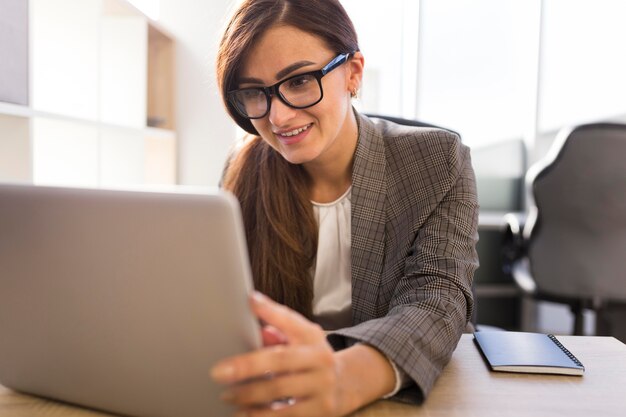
[(295, 374)]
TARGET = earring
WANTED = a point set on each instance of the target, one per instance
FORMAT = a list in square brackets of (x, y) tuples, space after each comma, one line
[(353, 93)]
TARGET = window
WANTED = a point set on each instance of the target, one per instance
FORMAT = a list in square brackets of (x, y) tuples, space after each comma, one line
[(582, 62), (386, 54), (494, 71), (477, 65)]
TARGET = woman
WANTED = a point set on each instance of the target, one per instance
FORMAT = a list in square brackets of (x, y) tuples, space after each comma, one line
[(354, 225)]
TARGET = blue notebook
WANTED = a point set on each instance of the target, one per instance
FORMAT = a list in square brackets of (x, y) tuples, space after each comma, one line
[(527, 352)]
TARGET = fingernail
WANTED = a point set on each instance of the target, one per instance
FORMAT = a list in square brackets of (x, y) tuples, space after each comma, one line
[(223, 372), (259, 297)]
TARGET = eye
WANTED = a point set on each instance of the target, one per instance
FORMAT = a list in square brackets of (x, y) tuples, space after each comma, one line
[(250, 93), (300, 82)]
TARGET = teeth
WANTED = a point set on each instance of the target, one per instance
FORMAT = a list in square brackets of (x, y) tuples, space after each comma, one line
[(295, 131)]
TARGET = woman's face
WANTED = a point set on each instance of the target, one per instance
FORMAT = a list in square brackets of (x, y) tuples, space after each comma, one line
[(320, 132)]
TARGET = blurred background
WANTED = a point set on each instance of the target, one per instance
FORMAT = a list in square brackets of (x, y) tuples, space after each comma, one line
[(104, 93)]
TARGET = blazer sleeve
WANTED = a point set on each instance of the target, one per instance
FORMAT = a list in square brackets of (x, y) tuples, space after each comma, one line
[(432, 300)]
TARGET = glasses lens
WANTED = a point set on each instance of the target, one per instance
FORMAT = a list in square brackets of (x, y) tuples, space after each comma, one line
[(301, 91), (251, 102)]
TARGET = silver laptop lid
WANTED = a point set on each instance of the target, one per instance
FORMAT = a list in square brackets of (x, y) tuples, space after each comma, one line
[(122, 301)]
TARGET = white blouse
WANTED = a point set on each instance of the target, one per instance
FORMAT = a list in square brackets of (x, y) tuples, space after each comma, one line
[(332, 274), (332, 282)]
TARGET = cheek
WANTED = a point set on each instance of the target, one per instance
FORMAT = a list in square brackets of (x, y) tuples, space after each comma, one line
[(334, 107), (265, 131), (258, 124), (337, 96), (263, 127)]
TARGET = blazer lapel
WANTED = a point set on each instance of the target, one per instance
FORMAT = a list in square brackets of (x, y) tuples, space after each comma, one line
[(368, 219)]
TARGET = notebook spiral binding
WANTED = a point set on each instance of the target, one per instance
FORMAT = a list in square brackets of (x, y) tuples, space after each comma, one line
[(565, 350)]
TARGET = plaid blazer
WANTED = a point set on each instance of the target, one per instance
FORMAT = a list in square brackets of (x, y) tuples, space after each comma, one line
[(414, 231)]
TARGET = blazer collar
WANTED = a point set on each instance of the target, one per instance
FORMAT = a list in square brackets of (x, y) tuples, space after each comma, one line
[(369, 193)]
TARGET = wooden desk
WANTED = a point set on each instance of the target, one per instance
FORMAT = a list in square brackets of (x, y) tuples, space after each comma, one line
[(466, 388)]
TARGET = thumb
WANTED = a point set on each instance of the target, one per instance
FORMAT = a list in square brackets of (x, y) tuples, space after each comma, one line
[(295, 327)]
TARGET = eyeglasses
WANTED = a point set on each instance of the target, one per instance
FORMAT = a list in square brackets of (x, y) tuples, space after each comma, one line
[(300, 91)]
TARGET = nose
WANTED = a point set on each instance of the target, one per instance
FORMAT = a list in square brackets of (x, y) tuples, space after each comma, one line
[(280, 113)]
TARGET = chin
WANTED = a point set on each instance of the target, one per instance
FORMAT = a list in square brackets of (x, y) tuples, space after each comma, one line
[(298, 158)]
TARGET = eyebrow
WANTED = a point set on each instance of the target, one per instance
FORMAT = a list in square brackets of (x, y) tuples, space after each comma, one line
[(280, 74)]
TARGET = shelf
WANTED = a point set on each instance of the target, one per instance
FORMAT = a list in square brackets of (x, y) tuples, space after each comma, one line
[(160, 80), (150, 62), (18, 110), (92, 155), (15, 110), (104, 54), (95, 105), (15, 149)]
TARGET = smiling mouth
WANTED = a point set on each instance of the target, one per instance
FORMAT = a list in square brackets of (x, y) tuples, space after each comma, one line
[(294, 132)]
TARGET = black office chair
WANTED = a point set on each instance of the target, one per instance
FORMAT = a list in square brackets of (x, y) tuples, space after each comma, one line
[(572, 247), (408, 122)]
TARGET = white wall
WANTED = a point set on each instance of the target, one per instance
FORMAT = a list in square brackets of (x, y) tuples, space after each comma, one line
[(205, 131), (65, 67)]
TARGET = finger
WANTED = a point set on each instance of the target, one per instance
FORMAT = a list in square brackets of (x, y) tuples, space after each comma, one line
[(272, 336), (266, 391), (294, 326), (271, 360)]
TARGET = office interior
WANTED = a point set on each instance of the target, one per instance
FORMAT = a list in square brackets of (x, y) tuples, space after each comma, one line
[(117, 93)]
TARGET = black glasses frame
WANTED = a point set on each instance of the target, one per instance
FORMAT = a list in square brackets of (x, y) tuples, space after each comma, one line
[(273, 90)]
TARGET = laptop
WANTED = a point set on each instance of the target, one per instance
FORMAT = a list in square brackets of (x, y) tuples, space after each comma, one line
[(122, 301)]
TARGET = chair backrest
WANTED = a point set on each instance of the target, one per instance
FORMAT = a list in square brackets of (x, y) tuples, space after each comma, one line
[(577, 238), (408, 122)]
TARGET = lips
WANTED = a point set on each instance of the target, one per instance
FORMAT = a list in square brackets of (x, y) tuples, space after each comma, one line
[(289, 137)]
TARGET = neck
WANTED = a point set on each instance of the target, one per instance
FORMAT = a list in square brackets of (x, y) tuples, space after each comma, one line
[(331, 176)]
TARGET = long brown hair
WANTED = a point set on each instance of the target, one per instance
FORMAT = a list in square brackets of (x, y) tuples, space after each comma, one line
[(274, 194)]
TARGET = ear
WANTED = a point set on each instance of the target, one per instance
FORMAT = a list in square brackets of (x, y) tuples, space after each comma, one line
[(355, 71)]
